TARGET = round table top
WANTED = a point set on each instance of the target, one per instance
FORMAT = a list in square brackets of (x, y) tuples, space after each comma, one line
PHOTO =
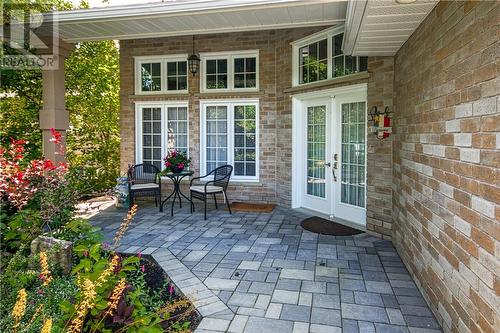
[(177, 174)]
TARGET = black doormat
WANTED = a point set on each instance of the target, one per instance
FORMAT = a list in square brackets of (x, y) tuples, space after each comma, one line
[(321, 226)]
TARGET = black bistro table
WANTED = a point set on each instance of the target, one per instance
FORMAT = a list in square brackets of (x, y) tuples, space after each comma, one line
[(176, 178)]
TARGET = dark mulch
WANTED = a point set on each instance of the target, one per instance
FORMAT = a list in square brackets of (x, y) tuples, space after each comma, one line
[(156, 279), (252, 207), (321, 226)]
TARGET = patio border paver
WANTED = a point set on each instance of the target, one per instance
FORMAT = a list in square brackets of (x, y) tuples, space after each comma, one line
[(215, 314)]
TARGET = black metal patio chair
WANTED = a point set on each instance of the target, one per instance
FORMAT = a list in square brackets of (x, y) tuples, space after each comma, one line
[(221, 176), (144, 181)]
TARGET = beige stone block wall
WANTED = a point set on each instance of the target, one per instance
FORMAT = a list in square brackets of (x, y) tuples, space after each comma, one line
[(446, 195)]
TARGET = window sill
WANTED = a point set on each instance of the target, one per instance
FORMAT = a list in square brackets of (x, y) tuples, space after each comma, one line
[(230, 93), (248, 183), (329, 82), (162, 96)]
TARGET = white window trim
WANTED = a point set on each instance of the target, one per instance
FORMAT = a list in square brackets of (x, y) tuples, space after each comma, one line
[(164, 121), (162, 59), (229, 56), (230, 133), (327, 34)]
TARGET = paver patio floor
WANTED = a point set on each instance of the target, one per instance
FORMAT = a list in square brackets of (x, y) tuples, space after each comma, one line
[(261, 272)]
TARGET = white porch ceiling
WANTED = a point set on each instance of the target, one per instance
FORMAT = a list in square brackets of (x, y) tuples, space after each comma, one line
[(381, 27), (187, 17)]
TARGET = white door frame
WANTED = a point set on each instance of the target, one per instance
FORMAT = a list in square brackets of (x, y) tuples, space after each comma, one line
[(298, 141)]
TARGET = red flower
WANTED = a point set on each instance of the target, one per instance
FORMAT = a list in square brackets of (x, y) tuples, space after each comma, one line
[(56, 136), (168, 164), (143, 269), (174, 153), (17, 142), (180, 165), (48, 165)]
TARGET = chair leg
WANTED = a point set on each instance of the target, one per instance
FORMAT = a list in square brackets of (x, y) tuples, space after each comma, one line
[(227, 202), (205, 207), (191, 207), (215, 200), (131, 200), (156, 200)]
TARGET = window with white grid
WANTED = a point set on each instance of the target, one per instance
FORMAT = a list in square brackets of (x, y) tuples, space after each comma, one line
[(229, 135), (160, 127)]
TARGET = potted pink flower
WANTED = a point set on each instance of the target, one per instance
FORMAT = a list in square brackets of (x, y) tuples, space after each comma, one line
[(176, 161)]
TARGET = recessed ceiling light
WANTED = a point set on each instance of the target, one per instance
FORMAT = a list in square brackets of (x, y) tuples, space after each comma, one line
[(405, 2)]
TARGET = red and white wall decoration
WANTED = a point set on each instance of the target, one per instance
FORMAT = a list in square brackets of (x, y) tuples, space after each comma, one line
[(381, 123)]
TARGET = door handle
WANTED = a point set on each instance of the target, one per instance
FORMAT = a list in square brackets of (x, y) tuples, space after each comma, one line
[(335, 165), (328, 164), (334, 175)]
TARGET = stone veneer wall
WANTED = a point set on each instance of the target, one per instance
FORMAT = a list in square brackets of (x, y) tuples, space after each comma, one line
[(275, 112), (446, 192), (379, 152)]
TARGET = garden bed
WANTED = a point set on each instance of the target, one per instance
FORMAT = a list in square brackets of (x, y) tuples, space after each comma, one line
[(182, 314)]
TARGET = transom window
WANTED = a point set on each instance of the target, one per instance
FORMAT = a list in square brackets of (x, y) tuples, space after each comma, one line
[(229, 135), (176, 75), (344, 64), (245, 72), (319, 57), (163, 74), (313, 62), (216, 74), (229, 71), (160, 127), (151, 76)]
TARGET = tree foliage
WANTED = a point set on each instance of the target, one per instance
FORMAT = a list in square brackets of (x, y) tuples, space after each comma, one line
[(92, 88)]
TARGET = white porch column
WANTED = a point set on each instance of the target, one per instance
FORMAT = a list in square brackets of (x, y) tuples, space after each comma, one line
[(53, 113)]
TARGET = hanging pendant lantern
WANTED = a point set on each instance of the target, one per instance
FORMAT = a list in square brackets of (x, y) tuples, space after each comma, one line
[(193, 62)]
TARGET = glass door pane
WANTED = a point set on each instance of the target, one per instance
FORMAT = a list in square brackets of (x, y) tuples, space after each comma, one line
[(151, 136), (316, 150), (353, 154), (216, 137)]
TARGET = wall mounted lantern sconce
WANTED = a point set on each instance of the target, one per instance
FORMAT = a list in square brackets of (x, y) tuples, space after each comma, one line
[(193, 62), (381, 122)]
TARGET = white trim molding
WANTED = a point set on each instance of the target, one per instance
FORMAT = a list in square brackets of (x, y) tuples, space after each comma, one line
[(354, 16)]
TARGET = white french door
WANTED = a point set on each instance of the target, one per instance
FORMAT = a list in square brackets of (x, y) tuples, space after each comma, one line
[(332, 135), (349, 159), (317, 122)]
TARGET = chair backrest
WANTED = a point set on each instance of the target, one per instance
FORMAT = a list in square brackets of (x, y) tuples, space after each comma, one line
[(222, 175), (143, 173)]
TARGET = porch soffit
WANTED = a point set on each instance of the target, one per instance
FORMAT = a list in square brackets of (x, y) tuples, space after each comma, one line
[(189, 17), (381, 27)]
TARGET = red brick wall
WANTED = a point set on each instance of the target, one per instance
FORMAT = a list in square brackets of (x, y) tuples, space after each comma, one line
[(446, 163)]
